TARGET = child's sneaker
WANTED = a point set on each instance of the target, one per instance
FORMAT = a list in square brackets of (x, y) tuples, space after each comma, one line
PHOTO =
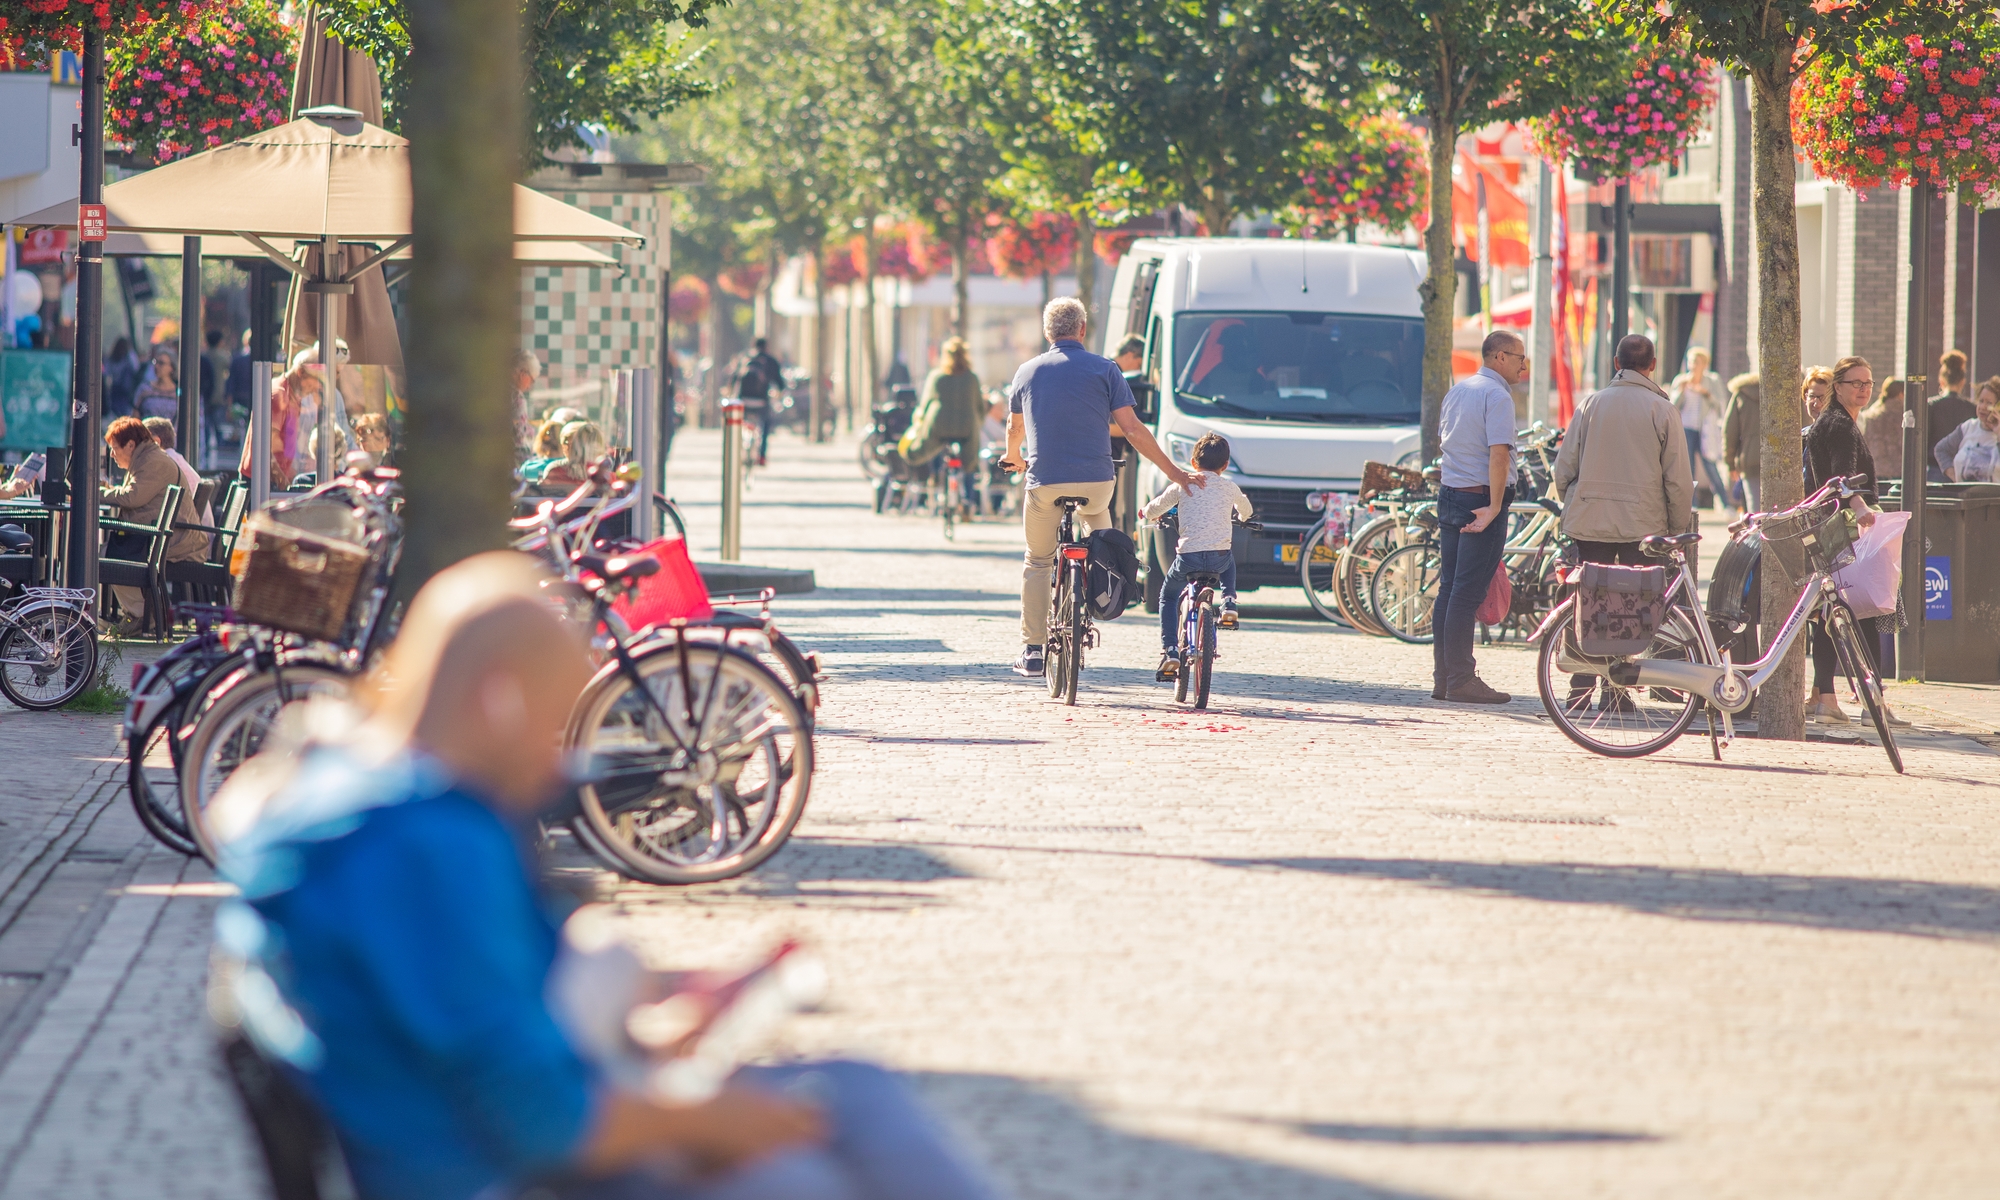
[(1226, 619), (1170, 667)]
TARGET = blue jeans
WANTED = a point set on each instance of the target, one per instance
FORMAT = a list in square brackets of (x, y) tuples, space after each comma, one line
[(1219, 562), (883, 1147), (1465, 570), (1699, 463)]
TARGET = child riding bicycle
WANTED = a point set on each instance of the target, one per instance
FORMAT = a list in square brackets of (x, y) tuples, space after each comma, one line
[(1204, 546)]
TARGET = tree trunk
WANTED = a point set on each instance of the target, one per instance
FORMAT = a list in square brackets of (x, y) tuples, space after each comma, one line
[(1774, 215), (465, 109), (871, 363), (816, 387), (1440, 286), (1086, 266), (961, 285)]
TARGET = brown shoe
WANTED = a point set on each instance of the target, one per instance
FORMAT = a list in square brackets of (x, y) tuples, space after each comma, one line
[(1477, 692)]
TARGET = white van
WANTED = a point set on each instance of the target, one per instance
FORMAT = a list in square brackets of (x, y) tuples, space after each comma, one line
[(1307, 356)]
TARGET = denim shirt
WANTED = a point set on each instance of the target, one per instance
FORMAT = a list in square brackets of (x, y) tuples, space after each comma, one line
[(396, 915)]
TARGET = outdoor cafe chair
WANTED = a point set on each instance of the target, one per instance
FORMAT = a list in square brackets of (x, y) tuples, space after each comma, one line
[(146, 574), (209, 581)]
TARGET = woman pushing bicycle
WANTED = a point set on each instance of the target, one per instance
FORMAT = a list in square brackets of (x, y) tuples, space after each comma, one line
[(1204, 547)]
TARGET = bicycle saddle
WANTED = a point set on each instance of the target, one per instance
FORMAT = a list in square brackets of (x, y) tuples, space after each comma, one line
[(1662, 545), (1207, 578), (1072, 501), (621, 567)]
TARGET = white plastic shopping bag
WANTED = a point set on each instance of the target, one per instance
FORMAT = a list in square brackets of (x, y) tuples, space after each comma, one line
[(1869, 583)]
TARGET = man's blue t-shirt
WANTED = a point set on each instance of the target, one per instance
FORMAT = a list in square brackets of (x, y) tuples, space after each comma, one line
[(1067, 396), (398, 916)]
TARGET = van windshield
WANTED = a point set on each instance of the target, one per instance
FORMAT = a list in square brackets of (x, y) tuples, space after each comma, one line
[(1301, 366)]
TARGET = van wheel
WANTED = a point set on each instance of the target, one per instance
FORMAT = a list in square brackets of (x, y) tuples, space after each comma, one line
[(1155, 576)]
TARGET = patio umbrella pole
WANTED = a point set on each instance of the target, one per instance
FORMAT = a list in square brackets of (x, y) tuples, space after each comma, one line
[(187, 422), (80, 564), (329, 335), (260, 435)]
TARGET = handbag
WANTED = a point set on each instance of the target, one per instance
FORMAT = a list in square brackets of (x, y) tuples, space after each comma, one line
[(1619, 609), (1499, 599), (1871, 582)]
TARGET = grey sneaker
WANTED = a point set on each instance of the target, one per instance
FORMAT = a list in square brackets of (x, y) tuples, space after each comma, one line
[(1030, 662)]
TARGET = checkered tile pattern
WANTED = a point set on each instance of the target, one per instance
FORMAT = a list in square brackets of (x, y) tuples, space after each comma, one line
[(583, 322)]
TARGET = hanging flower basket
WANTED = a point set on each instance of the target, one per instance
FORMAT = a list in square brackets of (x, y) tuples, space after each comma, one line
[(906, 252), (1382, 177), (687, 303), (1905, 112), (1650, 120), (172, 90), (29, 29), (842, 262), (1043, 244)]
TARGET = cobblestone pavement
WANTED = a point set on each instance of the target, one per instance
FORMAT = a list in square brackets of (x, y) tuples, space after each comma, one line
[(1330, 939)]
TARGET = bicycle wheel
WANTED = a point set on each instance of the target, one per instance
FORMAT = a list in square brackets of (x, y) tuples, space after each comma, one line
[(870, 452), (1860, 669), (1365, 551), (233, 731), (704, 780), (1607, 718), (152, 777), (1403, 592), (1205, 650), (1319, 567), (48, 655)]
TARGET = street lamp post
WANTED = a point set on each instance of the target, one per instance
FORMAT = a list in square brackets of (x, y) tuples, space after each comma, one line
[(1916, 437), (80, 562)]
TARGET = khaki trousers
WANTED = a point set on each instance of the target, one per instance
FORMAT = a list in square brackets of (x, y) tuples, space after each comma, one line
[(1041, 521)]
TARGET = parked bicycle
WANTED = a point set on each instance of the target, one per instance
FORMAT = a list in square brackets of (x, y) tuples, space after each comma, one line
[(48, 646), (1403, 590), (1070, 628), (1629, 706), (1200, 610)]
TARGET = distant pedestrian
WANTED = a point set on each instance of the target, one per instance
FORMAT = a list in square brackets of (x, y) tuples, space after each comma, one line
[(1742, 435), (1131, 357), (949, 409), (159, 396), (1968, 454), (1882, 429), (1949, 409), (1697, 392), (1623, 471), (527, 368), (121, 379), (1476, 433), (237, 386), (1061, 408), (762, 374), (1815, 390)]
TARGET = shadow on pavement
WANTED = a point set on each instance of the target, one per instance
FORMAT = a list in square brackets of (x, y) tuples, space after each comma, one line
[(1902, 906), (1446, 1135), (1043, 1143)]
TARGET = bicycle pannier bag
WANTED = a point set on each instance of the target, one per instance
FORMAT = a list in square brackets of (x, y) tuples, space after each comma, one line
[(1113, 575), (1618, 609)]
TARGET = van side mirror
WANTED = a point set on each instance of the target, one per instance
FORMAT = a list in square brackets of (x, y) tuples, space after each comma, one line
[(1145, 399)]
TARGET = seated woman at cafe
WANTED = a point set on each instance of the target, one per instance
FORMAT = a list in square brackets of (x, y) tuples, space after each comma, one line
[(148, 475), (548, 448), (371, 430), (582, 444)]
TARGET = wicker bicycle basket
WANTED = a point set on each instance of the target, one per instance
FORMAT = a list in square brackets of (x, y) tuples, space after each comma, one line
[(1810, 538), (298, 581)]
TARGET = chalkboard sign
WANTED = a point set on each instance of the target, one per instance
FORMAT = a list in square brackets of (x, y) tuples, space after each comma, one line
[(34, 397)]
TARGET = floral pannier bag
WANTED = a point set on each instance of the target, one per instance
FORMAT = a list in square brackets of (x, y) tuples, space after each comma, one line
[(1619, 609)]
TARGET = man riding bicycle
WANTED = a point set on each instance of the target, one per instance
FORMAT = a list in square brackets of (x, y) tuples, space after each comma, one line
[(1063, 408)]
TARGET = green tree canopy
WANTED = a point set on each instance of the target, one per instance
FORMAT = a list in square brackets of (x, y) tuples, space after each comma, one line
[(613, 63)]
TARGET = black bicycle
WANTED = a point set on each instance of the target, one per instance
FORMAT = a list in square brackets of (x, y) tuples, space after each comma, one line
[(1200, 616), (1070, 630)]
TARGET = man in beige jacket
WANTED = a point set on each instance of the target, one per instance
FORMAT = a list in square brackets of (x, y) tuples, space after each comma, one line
[(1623, 472)]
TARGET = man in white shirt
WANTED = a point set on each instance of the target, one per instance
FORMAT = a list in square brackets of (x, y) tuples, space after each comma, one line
[(1476, 431), (163, 433)]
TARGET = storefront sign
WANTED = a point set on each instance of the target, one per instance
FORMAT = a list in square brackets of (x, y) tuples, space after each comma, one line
[(41, 247), (1937, 587), (91, 222)]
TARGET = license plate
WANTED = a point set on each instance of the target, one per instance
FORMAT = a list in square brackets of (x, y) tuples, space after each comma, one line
[(1289, 553)]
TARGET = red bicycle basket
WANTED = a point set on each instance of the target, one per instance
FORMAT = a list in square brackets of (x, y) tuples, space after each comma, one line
[(674, 592)]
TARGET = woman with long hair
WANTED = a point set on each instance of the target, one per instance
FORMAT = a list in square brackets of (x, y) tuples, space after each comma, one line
[(159, 396), (1697, 392), (950, 409)]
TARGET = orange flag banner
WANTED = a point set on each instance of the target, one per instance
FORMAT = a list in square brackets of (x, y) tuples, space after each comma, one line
[(1506, 214)]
